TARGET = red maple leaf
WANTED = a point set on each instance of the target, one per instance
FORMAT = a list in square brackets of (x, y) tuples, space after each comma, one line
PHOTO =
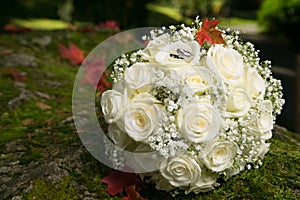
[(17, 75), (73, 53), (132, 194), (16, 29), (117, 181), (110, 24), (93, 69), (87, 29), (209, 34)]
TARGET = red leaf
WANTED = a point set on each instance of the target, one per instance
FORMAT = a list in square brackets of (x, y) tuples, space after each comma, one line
[(94, 68), (16, 29), (17, 75), (5, 51), (73, 54), (209, 34), (132, 194), (104, 83), (110, 24), (117, 181), (87, 29)]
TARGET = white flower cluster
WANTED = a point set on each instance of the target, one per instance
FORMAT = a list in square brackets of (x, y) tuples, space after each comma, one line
[(207, 109)]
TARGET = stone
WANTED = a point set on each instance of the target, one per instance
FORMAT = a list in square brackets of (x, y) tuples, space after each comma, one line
[(18, 59)]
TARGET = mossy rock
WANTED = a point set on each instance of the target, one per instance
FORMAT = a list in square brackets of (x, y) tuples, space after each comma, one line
[(42, 156)]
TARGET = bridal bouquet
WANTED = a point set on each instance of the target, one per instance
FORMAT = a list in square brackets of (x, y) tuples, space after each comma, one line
[(201, 98)]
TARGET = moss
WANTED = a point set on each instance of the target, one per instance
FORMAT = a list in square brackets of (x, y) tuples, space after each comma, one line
[(42, 190), (91, 175), (31, 156)]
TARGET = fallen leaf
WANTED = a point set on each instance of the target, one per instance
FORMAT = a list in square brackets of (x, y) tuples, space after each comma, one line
[(110, 24), (209, 34), (93, 69), (117, 181), (87, 29), (73, 54), (5, 51), (17, 75), (132, 194), (27, 122), (43, 106), (16, 29), (54, 153)]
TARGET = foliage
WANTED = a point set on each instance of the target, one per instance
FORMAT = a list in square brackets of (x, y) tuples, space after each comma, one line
[(276, 15), (204, 8), (208, 33), (73, 54), (117, 181)]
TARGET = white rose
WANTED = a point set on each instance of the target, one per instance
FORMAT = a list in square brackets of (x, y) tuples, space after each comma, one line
[(179, 54), (111, 104), (155, 46), (228, 61), (138, 75), (119, 137), (180, 170), (219, 154), (207, 182), (239, 102), (198, 122), (140, 117), (262, 125), (198, 78), (255, 83)]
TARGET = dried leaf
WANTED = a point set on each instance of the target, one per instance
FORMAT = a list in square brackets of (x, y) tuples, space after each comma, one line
[(94, 68), (16, 29), (209, 34), (27, 122), (17, 75), (110, 24), (74, 54), (5, 51), (86, 29), (132, 194), (117, 181), (43, 106)]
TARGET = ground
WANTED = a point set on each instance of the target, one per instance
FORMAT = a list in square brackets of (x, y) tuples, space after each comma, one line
[(42, 157)]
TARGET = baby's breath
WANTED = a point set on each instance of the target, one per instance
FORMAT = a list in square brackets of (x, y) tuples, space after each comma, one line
[(172, 94)]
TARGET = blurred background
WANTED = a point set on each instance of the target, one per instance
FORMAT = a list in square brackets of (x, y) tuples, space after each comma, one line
[(272, 25)]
